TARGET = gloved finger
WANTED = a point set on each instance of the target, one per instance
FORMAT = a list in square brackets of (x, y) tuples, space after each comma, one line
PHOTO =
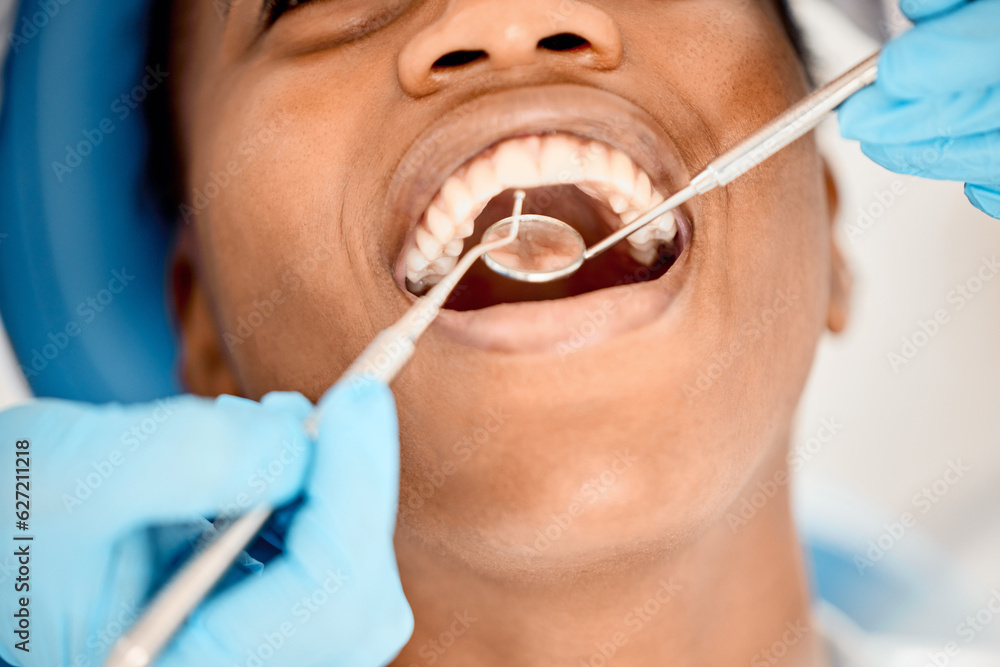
[(985, 197), (872, 116), (115, 468), (915, 10), (950, 53), (974, 158)]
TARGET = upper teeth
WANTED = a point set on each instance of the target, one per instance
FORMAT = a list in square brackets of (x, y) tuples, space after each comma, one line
[(599, 170)]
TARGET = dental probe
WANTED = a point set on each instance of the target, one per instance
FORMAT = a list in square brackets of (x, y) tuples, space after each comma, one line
[(382, 360), (765, 142)]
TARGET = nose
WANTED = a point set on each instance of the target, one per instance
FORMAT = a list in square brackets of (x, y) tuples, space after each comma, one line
[(503, 34)]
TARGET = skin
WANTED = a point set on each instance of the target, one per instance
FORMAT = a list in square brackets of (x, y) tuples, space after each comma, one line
[(309, 221)]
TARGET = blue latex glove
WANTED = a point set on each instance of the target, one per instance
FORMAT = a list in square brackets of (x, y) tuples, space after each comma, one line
[(116, 490), (935, 109)]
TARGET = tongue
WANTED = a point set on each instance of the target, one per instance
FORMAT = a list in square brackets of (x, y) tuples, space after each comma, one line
[(482, 288)]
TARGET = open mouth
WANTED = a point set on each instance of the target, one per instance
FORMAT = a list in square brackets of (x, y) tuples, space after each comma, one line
[(594, 187), (585, 156)]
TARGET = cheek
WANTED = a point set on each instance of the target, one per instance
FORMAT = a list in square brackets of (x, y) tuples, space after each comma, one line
[(762, 247), (269, 186), (728, 60), (754, 339), (756, 305), (766, 235)]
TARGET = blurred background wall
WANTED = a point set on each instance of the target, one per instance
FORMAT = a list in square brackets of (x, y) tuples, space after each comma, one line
[(914, 245)]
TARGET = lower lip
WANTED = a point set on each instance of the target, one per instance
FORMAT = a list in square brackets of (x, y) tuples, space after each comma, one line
[(563, 325)]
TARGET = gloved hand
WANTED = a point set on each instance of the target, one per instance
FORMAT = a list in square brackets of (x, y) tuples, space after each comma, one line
[(113, 489), (935, 109)]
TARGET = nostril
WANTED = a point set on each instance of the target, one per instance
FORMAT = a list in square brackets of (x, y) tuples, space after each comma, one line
[(458, 59), (564, 41)]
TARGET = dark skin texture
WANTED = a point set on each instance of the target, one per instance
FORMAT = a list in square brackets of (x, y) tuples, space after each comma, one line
[(311, 214)]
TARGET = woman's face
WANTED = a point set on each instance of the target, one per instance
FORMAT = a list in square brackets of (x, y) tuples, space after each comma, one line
[(541, 434)]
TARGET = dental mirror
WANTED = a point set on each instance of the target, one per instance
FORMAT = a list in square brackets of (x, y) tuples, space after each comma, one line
[(545, 249)]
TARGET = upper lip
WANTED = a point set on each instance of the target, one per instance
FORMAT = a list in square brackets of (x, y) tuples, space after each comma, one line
[(477, 124)]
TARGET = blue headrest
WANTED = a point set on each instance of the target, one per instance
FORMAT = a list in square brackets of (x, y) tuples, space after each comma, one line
[(83, 247)]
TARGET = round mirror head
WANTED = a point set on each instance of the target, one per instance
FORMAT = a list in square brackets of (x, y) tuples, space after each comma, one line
[(545, 249)]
